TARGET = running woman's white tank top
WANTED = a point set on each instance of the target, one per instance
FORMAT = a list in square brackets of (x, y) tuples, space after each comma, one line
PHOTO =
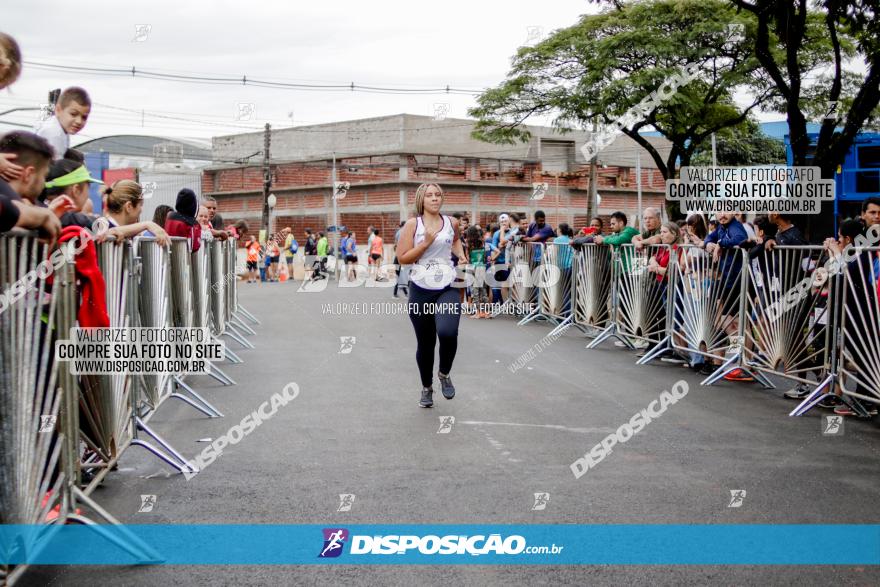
[(434, 269)]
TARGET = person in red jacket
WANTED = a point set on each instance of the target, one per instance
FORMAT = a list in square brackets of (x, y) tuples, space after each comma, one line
[(182, 221)]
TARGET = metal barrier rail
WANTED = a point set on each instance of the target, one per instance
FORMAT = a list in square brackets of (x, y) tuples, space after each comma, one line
[(709, 309), (182, 314), (592, 286), (787, 315), (149, 306), (105, 400), (224, 293), (236, 310), (519, 264), (860, 328), (556, 285), (855, 355), (524, 276), (39, 403), (643, 284), (30, 398)]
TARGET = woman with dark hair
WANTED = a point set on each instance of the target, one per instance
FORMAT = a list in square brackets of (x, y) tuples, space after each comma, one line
[(182, 221), (160, 215)]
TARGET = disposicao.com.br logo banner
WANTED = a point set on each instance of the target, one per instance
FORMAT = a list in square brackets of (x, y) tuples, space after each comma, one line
[(567, 544)]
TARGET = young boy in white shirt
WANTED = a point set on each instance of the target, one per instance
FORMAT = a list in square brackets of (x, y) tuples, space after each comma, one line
[(71, 113)]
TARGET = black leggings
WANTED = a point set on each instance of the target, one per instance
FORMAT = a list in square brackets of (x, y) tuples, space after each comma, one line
[(431, 323)]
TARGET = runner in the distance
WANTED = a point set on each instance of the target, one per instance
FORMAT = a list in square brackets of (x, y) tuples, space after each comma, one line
[(428, 242)]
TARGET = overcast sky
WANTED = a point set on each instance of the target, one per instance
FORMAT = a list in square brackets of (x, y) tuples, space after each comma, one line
[(463, 44)]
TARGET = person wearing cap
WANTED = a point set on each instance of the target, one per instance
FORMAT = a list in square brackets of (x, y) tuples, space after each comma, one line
[(182, 221), (67, 191), (500, 239)]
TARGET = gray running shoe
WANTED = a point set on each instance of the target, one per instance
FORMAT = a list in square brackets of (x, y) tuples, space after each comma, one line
[(426, 401), (446, 386), (799, 392)]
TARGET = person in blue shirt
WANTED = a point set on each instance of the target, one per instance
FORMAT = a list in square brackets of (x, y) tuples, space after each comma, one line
[(564, 238), (722, 243), (539, 231), (348, 248)]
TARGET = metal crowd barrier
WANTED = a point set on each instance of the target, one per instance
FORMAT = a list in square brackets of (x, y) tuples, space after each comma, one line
[(592, 287), (105, 400), (224, 293), (555, 285), (522, 261), (854, 368), (30, 397), (40, 401), (182, 313), (859, 360), (236, 310), (789, 335), (644, 301), (709, 309)]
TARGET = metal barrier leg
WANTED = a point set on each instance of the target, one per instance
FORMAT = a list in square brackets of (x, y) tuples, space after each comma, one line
[(231, 357), (533, 315), (237, 321), (732, 364), (823, 389), (247, 314), (608, 332), (142, 426), (562, 326), (213, 412), (661, 348), (131, 543), (237, 337), (219, 375), (160, 455)]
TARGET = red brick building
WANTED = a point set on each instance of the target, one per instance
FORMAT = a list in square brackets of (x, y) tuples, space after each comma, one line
[(386, 159)]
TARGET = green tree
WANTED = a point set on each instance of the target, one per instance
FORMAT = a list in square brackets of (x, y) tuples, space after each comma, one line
[(784, 40), (745, 144), (600, 68)]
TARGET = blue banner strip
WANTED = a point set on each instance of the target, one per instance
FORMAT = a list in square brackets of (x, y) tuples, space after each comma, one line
[(443, 544)]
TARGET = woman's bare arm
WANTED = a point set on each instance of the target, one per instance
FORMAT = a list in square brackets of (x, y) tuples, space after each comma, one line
[(407, 253)]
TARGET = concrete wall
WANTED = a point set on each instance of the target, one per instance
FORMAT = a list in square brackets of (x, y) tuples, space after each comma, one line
[(409, 133)]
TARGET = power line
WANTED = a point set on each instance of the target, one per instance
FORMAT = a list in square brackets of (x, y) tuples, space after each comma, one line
[(244, 81)]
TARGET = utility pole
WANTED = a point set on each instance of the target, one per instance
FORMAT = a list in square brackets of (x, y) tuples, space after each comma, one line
[(267, 179), (592, 204), (335, 217), (639, 184)]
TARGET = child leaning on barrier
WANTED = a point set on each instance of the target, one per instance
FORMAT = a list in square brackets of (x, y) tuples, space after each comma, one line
[(477, 266)]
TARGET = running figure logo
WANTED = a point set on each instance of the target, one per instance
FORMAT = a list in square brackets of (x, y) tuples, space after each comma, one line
[(334, 540), (148, 502), (541, 501), (47, 423), (346, 500), (737, 496), (346, 344), (245, 111), (832, 426), (141, 32), (148, 188), (446, 423)]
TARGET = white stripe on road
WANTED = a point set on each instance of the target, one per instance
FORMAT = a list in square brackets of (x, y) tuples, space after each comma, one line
[(602, 430)]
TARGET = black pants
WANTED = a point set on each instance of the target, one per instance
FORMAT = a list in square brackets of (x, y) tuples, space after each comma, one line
[(434, 315)]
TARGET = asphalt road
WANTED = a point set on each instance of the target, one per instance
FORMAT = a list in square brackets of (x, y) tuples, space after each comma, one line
[(356, 429)]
